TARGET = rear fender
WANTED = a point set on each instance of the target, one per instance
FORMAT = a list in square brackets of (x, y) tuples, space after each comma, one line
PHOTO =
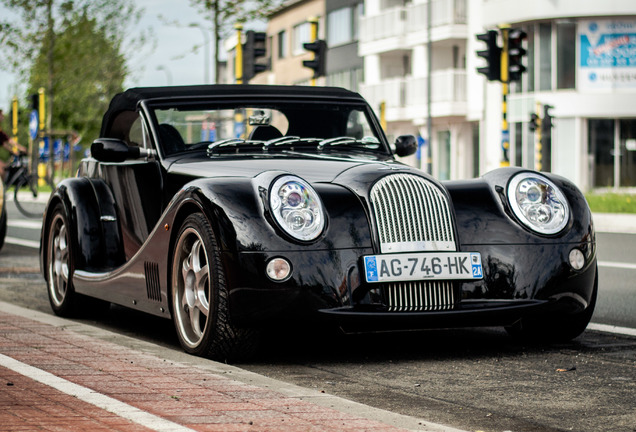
[(93, 229)]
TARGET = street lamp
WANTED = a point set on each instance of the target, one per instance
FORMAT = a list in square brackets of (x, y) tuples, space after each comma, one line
[(168, 74), (206, 51)]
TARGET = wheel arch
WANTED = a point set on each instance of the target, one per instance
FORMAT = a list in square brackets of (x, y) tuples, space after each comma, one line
[(213, 213), (93, 229)]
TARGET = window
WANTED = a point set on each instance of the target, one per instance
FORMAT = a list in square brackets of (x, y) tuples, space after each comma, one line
[(443, 155), (340, 26), (282, 44), (566, 55), (302, 34), (530, 57), (545, 56)]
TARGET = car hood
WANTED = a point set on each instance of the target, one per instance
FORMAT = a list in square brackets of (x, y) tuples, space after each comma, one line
[(315, 168)]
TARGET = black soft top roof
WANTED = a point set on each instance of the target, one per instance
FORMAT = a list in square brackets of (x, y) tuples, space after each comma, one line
[(128, 100)]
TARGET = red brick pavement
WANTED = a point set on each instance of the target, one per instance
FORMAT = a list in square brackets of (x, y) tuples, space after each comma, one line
[(185, 395)]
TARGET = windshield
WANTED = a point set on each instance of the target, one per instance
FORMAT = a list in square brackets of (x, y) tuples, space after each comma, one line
[(256, 127)]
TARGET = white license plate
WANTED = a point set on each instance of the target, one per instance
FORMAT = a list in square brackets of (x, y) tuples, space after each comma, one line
[(420, 266)]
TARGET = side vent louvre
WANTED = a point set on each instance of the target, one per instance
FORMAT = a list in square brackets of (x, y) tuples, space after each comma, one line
[(152, 281)]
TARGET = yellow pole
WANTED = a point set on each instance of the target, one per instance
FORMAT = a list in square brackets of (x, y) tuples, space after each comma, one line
[(505, 128), (41, 113), (383, 115), (14, 121), (538, 163), (313, 21), (238, 64)]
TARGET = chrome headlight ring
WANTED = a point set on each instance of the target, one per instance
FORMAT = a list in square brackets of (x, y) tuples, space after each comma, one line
[(297, 208), (538, 203)]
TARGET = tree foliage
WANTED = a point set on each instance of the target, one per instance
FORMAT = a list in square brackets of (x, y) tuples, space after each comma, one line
[(75, 50), (90, 68)]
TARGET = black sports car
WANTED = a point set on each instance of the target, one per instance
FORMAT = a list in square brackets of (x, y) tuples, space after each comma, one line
[(229, 207)]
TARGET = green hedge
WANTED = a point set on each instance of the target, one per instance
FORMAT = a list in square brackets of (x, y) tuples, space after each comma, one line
[(611, 202)]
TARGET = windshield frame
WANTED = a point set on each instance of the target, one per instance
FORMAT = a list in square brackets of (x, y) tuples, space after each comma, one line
[(282, 104)]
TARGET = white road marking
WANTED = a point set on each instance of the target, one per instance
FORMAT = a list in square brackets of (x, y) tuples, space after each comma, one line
[(99, 400), (612, 329), (619, 265), (22, 242), (29, 224)]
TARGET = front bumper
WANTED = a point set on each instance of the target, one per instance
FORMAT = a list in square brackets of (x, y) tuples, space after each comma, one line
[(519, 281)]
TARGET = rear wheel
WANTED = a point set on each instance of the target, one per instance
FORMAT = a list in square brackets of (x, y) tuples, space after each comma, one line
[(560, 328), (59, 263), (200, 296)]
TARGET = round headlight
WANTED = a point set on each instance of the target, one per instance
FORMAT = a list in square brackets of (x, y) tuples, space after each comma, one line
[(538, 203), (297, 208)]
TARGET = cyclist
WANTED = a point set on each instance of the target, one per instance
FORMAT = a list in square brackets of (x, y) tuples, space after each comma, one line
[(9, 144)]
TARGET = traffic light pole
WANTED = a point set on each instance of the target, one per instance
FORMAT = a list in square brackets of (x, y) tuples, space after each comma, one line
[(238, 60), (313, 22), (538, 165), (505, 90), (14, 120)]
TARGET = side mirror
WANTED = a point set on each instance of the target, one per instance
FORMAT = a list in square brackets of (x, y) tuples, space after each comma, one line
[(113, 150), (405, 145)]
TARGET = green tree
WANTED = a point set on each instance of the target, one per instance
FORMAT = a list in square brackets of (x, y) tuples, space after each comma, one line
[(223, 14), (90, 68), (38, 47)]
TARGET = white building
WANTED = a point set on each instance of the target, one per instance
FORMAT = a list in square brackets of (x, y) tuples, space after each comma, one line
[(581, 61)]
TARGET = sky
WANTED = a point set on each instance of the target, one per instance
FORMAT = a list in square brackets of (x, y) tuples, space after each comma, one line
[(173, 60)]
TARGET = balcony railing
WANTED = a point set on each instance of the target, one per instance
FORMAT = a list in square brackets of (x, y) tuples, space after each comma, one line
[(402, 20), (447, 87)]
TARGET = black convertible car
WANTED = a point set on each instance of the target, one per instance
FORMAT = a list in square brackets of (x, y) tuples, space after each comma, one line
[(227, 208)]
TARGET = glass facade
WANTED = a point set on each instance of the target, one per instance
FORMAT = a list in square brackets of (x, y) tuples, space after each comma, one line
[(612, 151)]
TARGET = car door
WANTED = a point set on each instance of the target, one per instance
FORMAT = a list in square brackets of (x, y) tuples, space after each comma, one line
[(136, 184)]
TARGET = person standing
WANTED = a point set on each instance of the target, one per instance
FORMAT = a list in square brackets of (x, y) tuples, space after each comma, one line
[(8, 143)]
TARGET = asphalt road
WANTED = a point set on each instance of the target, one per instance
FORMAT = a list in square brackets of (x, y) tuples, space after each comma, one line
[(469, 379)]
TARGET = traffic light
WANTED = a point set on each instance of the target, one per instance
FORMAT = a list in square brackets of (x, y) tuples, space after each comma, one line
[(492, 54), (534, 122), (516, 52), (546, 138), (546, 121), (35, 101), (318, 64), (253, 50)]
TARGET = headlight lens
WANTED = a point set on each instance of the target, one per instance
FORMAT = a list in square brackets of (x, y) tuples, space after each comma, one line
[(538, 203), (297, 208)]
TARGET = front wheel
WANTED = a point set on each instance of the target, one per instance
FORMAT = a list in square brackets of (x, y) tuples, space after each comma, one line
[(200, 296), (562, 328)]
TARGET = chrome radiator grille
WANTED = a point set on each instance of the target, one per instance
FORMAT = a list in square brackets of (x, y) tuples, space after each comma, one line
[(419, 296), (411, 215)]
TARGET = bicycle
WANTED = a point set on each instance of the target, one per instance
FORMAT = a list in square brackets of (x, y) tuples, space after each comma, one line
[(19, 177)]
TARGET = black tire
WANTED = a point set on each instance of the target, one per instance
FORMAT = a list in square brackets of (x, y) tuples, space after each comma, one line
[(60, 265), (562, 328), (199, 297), (27, 202)]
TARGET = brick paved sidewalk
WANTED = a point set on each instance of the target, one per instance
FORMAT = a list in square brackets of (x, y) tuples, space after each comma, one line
[(52, 378)]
